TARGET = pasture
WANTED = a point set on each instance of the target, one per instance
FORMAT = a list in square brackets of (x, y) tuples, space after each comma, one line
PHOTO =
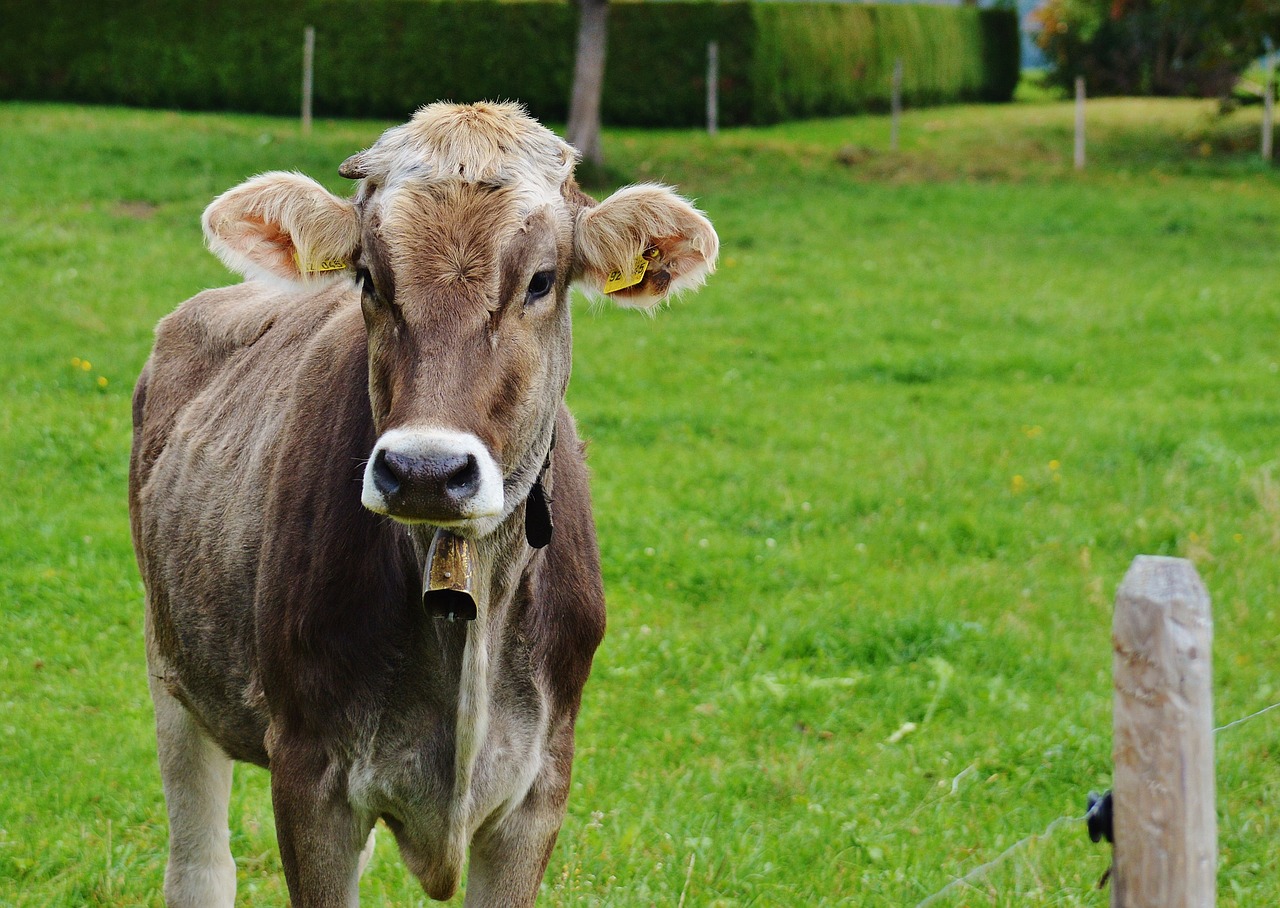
[(863, 502)]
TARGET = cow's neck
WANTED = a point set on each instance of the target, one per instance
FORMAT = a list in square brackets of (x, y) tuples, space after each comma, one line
[(502, 559)]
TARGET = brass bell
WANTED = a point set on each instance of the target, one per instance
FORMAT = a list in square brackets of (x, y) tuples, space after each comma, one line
[(449, 584)]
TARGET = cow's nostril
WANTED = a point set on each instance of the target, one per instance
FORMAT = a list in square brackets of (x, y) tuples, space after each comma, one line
[(429, 480), (465, 481), (388, 475)]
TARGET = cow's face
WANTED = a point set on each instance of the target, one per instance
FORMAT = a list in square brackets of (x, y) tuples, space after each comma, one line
[(463, 238)]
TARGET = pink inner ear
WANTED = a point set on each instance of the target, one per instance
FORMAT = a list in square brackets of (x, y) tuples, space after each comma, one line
[(278, 242)]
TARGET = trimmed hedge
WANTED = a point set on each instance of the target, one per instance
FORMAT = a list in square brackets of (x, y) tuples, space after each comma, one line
[(839, 58), (373, 59), (1001, 54), (384, 58), (656, 66)]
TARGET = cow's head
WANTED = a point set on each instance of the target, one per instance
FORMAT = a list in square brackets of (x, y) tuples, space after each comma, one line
[(463, 237)]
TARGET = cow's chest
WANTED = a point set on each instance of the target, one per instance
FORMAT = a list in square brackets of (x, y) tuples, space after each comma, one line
[(437, 774)]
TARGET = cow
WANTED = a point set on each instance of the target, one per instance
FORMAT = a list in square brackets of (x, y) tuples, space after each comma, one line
[(360, 506)]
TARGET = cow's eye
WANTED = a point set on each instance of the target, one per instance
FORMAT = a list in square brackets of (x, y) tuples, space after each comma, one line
[(540, 285), (372, 302), (369, 295)]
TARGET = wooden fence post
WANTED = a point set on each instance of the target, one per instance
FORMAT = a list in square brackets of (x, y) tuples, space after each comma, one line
[(1166, 835), (713, 87), (308, 75), (1079, 149)]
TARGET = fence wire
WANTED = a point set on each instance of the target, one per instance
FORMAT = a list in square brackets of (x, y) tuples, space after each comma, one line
[(1265, 709), (983, 869)]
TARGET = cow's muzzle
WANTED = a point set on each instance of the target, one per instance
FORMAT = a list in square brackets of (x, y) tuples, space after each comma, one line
[(433, 476)]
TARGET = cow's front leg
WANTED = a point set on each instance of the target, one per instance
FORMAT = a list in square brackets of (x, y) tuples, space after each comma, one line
[(200, 872), (321, 838), (509, 857)]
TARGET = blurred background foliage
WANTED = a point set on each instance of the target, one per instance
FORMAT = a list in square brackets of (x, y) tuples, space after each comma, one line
[(1170, 48), (778, 61)]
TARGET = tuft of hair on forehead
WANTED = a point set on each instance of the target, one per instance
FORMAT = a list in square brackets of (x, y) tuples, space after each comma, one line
[(493, 143)]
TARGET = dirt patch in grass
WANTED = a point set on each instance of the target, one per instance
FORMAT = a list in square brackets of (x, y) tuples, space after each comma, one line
[(135, 209)]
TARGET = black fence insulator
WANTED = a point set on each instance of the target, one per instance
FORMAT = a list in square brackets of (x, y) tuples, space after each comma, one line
[(1099, 817)]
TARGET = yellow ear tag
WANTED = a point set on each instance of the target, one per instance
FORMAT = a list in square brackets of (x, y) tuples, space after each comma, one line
[(619, 280), (332, 264)]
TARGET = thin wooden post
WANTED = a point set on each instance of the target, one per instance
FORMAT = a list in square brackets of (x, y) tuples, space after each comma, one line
[(895, 105), (1166, 834), (713, 87), (308, 75), (1079, 150)]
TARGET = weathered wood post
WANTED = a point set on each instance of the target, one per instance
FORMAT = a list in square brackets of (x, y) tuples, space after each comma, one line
[(1166, 834), (713, 87), (308, 75), (1079, 148), (895, 105)]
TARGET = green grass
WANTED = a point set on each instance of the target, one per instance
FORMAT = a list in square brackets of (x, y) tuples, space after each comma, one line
[(888, 467)]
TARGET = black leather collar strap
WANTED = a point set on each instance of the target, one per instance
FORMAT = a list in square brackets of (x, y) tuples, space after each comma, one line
[(538, 525)]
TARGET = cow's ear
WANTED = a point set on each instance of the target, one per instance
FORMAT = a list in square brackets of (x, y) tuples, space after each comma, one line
[(283, 227), (642, 244)]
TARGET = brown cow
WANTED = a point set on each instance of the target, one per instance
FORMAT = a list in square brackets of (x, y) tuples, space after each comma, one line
[(386, 387)]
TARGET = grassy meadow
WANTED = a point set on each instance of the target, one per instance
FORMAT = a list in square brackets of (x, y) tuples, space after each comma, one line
[(863, 502)]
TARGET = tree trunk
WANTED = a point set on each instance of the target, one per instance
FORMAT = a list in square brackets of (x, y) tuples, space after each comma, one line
[(588, 81)]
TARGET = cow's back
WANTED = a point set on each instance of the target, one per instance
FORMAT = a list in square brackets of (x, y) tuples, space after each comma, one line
[(208, 410)]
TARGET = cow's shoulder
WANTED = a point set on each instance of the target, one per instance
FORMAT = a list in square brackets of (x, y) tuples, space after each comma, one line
[(242, 336), (214, 325), (220, 320)]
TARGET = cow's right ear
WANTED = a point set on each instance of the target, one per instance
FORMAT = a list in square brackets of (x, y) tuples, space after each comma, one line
[(283, 227)]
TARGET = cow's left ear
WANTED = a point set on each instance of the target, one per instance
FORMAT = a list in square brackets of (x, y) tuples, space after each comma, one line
[(283, 227), (642, 244)]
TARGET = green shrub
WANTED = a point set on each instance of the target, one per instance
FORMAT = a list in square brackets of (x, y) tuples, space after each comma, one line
[(822, 63), (384, 58), (1154, 47), (824, 59), (405, 53), (1001, 54), (380, 59), (656, 68)]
